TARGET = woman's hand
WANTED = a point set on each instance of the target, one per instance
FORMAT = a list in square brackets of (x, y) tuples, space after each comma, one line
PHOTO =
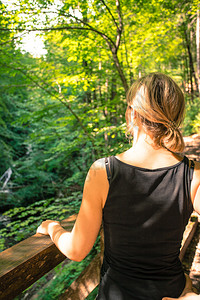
[(46, 226), (188, 296)]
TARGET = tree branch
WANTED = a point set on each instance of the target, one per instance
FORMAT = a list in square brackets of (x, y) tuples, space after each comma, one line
[(108, 9), (120, 25), (63, 100), (113, 45), (108, 39), (15, 85), (14, 38), (104, 36)]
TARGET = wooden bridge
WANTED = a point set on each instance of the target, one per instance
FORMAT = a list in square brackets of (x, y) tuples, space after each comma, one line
[(26, 262)]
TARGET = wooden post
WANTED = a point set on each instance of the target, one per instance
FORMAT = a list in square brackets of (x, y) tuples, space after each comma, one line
[(89, 279), (85, 283), (188, 235)]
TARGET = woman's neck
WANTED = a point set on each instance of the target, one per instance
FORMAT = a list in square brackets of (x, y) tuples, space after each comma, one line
[(145, 143), (144, 153)]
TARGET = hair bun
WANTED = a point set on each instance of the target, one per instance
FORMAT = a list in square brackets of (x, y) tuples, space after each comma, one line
[(173, 140)]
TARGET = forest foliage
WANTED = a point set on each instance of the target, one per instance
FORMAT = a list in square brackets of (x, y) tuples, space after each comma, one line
[(62, 110)]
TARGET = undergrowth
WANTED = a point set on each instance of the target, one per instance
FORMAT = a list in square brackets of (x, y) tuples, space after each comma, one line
[(21, 222)]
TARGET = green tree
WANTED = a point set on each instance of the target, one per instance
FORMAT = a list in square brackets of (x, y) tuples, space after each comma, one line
[(75, 94)]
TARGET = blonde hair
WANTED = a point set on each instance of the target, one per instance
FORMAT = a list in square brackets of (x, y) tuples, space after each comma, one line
[(160, 106)]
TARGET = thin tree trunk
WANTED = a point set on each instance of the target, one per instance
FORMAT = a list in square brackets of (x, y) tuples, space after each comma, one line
[(120, 71), (198, 47), (187, 76), (191, 67)]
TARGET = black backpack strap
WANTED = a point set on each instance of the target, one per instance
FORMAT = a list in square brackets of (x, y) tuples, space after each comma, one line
[(108, 171)]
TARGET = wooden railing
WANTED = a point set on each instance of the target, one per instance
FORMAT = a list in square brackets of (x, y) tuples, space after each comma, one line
[(27, 261)]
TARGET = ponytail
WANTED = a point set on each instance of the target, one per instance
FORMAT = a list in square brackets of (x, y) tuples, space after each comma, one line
[(160, 106)]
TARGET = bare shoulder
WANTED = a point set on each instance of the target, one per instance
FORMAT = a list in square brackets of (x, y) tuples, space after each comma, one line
[(96, 183), (99, 164), (197, 172), (97, 171)]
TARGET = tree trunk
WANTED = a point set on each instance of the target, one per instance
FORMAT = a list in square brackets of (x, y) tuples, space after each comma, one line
[(191, 67), (120, 71), (198, 48)]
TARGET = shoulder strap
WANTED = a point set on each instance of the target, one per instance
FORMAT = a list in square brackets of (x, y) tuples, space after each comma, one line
[(191, 169), (188, 174), (107, 163), (190, 164)]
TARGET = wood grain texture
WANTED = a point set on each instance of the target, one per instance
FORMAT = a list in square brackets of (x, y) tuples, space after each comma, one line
[(188, 235), (26, 262)]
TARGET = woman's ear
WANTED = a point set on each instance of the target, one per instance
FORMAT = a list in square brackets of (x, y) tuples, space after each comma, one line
[(133, 113), (131, 116)]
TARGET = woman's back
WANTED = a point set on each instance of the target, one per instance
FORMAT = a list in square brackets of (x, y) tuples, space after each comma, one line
[(149, 199), (144, 218)]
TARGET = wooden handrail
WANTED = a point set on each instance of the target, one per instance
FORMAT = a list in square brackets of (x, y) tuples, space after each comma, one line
[(188, 235), (27, 261)]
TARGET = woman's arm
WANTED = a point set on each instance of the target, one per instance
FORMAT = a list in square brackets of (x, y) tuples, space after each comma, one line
[(77, 243)]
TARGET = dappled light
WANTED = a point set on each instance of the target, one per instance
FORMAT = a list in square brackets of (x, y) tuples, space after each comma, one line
[(65, 71)]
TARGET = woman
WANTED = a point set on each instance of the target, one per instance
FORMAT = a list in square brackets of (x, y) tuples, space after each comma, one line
[(144, 196)]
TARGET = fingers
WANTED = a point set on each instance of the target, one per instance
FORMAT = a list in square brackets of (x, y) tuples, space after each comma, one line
[(42, 230), (45, 225)]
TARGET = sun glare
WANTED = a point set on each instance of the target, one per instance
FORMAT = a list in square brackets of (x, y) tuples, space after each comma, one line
[(32, 42)]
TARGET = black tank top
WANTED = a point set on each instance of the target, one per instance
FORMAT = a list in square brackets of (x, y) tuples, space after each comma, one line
[(144, 218)]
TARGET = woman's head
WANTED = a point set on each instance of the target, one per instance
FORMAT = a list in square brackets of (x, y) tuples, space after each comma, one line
[(159, 105)]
